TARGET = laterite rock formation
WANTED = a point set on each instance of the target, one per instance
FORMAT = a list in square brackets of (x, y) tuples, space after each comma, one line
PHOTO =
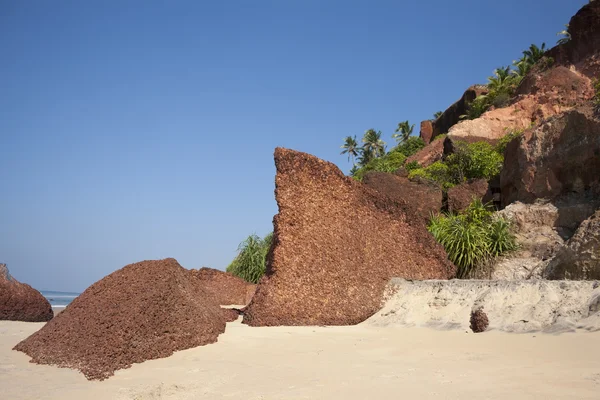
[(21, 302), (336, 245)]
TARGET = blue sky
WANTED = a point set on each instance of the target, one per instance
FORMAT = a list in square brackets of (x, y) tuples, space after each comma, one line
[(135, 130)]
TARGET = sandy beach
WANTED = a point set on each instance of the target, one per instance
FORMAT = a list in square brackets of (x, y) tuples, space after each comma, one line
[(354, 362)]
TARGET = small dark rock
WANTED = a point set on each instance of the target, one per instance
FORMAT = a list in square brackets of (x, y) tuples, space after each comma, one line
[(479, 321)]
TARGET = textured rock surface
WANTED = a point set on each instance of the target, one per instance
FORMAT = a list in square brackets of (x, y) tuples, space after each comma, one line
[(536, 227), (512, 306), (582, 50), (426, 132), (429, 154), (580, 258), (451, 116), (21, 302), (517, 267), (560, 157), (459, 197), (143, 311), (337, 242), (479, 321), (416, 199), (544, 94), (227, 289)]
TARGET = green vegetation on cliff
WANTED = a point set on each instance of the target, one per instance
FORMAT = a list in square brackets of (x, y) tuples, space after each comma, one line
[(472, 237), (250, 262), (469, 161)]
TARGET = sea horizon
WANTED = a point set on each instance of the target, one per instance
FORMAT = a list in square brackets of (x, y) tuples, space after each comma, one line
[(59, 299)]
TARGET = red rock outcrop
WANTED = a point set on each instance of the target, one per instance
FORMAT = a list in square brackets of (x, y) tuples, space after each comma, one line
[(459, 197), (560, 157), (583, 49), (21, 302), (227, 289), (429, 154), (143, 311), (426, 132), (337, 243), (416, 199), (452, 115)]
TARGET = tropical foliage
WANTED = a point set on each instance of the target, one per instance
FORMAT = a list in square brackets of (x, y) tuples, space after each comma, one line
[(469, 161), (410, 146), (566, 36), (596, 99), (388, 163), (503, 83), (472, 237), (403, 132), (350, 147), (250, 262), (437, 114)]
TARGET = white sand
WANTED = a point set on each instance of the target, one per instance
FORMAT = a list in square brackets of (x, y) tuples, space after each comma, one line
[(359, 362)]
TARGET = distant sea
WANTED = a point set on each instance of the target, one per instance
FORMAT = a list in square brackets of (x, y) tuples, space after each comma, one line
[(59, 299)]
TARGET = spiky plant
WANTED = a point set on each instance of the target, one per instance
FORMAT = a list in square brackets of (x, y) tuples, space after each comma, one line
[(250, 262)]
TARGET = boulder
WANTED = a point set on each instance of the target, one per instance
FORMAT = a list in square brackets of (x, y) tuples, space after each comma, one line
[(143, 311), (582, 50), (21, 302), (560, 157), (226, 288), (336, 244), (426, 132), (459, 197), (579, 259), (452, 115), (429, 154), (418, 200)]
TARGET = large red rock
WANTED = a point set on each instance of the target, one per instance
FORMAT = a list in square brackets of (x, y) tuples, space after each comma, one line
[(429, 154), (426, 132), (337, 243), (226, 288), (21, 302), (461, 196), (418, 200), (143, 311), (452, 115), (560, 157), (583, 48)]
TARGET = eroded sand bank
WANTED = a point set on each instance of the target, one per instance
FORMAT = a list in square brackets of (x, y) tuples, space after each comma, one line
[(355, 362)]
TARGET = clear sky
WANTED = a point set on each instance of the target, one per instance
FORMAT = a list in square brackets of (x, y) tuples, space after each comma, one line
[(133, 130)]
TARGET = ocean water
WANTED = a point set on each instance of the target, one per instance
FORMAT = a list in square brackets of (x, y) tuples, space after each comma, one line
[(59, 299)]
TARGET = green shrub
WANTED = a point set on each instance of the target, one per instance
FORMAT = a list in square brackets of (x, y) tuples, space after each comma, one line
[(249, 264), (477, 107), (411, 166), (474, 161), (412, 145), (472, 237), (439, 137), (390, 162), (438, 173)]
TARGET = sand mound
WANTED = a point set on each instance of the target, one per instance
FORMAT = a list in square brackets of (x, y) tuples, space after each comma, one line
[(143, 311), (227, 289), (512, 306), (337, 243)]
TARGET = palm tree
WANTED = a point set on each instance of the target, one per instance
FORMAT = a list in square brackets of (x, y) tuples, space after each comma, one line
[(437, 114), (403, 131), (365, 156), (566, 36), (373, 144), (534, 54), (522, 67), (501, 81), (351, 148)]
